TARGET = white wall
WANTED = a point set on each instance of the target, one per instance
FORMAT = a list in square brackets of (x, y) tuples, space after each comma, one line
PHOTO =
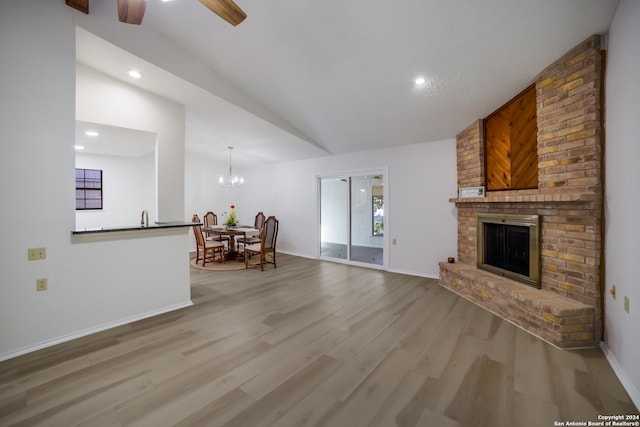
[(204, 194), (91, 285), (421, 179), (103, 99), (622, 233), (128, 188)]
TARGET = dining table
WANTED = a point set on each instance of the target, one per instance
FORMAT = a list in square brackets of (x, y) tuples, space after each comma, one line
[(232, 233)]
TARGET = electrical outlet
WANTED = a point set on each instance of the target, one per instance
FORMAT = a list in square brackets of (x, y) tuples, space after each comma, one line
[(394, 242), (626, 303), (41, 284), (36, 253)]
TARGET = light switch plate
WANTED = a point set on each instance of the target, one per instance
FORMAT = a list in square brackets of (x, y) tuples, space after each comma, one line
[(36, 254), (41, 284)]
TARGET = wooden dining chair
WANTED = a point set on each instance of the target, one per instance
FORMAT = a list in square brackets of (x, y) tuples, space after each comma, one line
[(257, 224), (267, 247), (211, 219), (208, 248)]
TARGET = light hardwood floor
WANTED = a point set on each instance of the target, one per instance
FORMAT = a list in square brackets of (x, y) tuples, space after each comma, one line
[(311, 343)]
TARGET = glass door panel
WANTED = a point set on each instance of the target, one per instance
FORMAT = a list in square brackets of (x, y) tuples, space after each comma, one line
[(367, 219), (334, 217)]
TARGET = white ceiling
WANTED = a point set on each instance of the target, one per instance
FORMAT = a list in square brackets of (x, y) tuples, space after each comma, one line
[(338, 75), (113, 140), (212, 124)]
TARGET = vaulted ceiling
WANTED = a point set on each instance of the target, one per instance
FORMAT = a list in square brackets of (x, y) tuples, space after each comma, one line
[(300, 79)]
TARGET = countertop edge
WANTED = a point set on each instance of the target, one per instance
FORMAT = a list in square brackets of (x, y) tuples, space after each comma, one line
[(158, 226)]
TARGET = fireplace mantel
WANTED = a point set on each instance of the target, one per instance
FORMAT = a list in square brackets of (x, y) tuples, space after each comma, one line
[(529, 196)]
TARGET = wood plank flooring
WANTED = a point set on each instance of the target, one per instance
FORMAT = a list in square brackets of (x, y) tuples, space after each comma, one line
[(311, 343)]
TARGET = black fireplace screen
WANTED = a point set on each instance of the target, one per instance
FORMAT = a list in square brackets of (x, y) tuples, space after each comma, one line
[(507, 247)]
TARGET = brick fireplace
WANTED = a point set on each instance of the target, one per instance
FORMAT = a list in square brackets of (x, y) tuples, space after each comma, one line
[(566, 311)]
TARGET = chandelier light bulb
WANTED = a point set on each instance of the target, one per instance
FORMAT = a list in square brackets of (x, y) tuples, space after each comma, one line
[(231, 180)]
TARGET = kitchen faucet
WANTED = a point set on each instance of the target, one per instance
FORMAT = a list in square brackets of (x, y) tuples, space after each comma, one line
[(144, 219)]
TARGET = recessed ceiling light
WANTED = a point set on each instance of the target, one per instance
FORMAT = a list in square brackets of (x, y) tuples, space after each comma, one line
[(135, 74), (91, 133), (420, 81), (78, 147)]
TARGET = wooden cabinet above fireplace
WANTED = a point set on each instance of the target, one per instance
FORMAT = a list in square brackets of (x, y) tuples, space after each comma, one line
[(511, 143)]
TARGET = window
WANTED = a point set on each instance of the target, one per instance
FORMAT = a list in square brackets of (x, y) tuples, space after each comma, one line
[(377, 213), (88, 189)]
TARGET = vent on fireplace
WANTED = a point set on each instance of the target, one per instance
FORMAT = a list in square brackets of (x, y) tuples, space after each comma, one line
[(509, 245)]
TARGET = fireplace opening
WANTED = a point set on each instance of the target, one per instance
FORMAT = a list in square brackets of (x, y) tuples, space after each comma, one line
[(508, 245)]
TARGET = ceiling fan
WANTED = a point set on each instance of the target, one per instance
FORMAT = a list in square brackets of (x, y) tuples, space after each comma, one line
[(132, 11)]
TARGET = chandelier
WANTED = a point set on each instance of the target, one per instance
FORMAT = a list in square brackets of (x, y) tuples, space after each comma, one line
[(231, 180)]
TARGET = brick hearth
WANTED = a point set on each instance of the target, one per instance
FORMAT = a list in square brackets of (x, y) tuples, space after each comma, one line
[(566, 311), (562, 321)]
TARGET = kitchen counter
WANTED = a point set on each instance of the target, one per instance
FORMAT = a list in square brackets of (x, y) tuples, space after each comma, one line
[(157, 229), (155, 226)]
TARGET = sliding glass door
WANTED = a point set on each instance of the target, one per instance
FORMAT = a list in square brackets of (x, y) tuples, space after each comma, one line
[(352, 219)]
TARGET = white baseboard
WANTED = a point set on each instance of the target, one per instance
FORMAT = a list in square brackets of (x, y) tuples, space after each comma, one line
[(297, 254), (407, 272), (628, 385), (100, 328)]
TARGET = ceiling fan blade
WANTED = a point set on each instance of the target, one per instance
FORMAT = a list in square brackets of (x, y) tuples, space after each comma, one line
[(131, 11), (226, 9), (81, 5)]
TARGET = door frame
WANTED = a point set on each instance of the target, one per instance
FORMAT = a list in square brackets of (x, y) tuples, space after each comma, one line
[(384, 171)]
